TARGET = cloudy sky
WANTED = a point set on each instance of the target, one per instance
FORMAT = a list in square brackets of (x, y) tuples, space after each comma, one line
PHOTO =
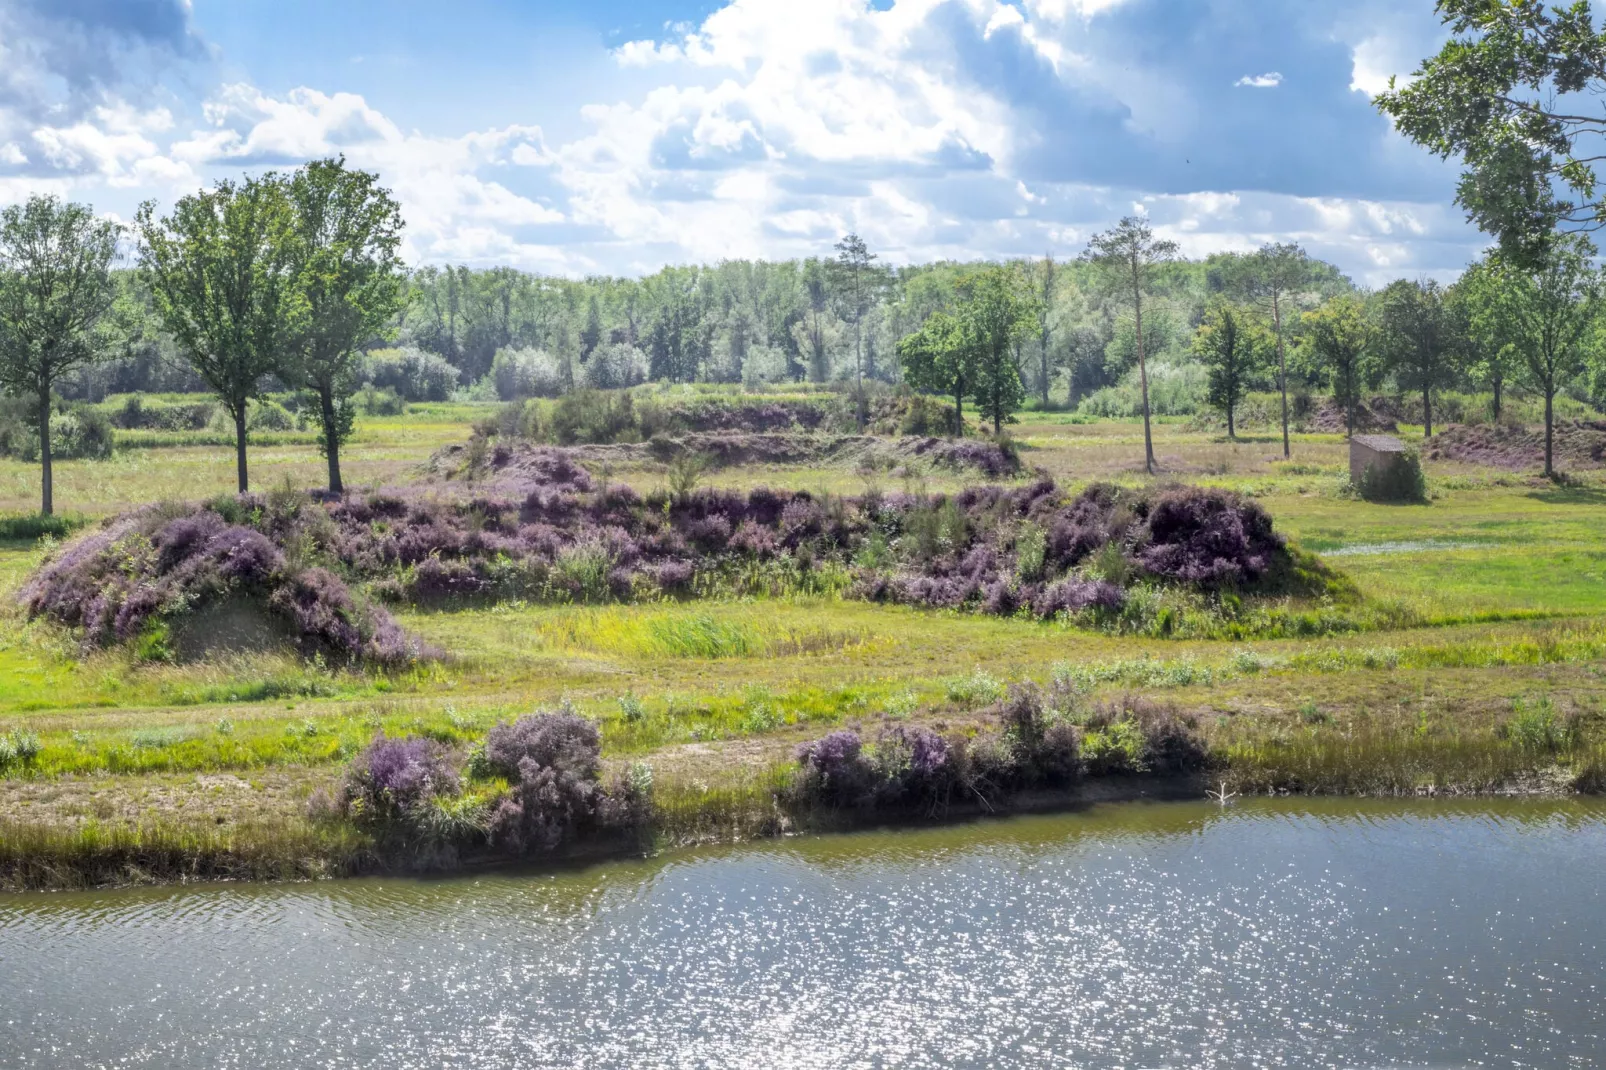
[(582, 136)]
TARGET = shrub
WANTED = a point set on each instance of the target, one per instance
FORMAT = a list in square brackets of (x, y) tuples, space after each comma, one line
[(590, 416), (1116, 748), (554, 761), (77, 432), (385, 402), (526, 373), (269, 416), (615, 365), (1399, 481), (392, 781), (410, 373), (835, 769), (561, 740), (18, 748), (1207, 537), (125, 581), (1536, 728)]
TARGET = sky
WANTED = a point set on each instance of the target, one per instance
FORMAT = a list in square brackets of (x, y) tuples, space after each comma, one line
[(584, 137)]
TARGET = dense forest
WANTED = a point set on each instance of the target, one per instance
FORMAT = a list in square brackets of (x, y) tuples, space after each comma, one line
[(502, 333)]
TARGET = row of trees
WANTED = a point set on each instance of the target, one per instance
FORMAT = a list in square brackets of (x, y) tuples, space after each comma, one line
[(976, 349), (283, 276), (1500, 325), (1532, 323)]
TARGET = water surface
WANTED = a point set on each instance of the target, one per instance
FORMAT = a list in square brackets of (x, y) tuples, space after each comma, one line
[(1342, 934)]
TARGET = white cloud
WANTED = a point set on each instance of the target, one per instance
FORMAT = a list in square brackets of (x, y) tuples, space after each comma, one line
[(770, 128)]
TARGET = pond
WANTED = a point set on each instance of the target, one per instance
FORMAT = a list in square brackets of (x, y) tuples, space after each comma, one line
[(1305, 933)]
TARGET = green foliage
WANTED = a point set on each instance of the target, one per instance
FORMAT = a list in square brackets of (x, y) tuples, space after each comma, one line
[(1395, 481), (345, 238), (1535, 727), (30, 527), (222, 276), (1233, 345), (55, 287), (1117, 748), (1335, 344), (1502, 95), (1415, 339)]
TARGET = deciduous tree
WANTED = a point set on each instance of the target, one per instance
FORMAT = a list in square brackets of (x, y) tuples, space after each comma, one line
[(1126, 255), (222, 276), (1551, 311), (55, 285), (997, 312), (1231, 343), (1276, 271), (1335, 343), (1516, 94), (346, 236), (1415, 339), (941, 358)]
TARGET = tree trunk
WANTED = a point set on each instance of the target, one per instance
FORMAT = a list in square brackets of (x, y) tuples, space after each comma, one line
[(1497, 385), (48, 505), (959, 412), (1427, 413), (1282, 367), (1232, 435), (239, 449), (1550, 396), (858, 373), (331, 436), (1143, 379), (1042, 375)]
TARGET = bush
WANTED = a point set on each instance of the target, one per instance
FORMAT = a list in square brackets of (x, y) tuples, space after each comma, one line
[(156, 565), (592, 417), (615, 366), (385, 402), (136, 413), (268, 415), (77, 432), (1401, 481), (410, 373), (554, 761), (34, 526), (526, 373), (390, 785)]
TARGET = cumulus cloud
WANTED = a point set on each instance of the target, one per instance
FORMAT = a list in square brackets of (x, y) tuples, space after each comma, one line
[(935, 128)]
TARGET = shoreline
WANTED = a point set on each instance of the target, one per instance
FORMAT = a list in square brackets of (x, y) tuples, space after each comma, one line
[(42, 858)]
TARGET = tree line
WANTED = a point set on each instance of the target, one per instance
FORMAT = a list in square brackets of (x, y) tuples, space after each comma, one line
[(288, 280)]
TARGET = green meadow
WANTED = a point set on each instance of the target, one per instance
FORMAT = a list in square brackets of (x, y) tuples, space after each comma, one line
[(1496, 683)]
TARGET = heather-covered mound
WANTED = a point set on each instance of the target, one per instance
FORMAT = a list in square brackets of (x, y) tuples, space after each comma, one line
[(543, 527), (983, 457), (144, 575), (1577, 444)]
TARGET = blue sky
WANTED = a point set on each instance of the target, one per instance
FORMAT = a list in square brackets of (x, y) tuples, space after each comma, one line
[(619, 135)]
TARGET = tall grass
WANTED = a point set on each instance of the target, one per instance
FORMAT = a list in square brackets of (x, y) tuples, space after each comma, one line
[(92, 854)]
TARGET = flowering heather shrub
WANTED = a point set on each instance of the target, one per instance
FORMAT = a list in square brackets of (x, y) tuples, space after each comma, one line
[(835, 769), (1207, 537), (391, 782), (561, 740), (554, 761), (152, 566), (1030, 745)]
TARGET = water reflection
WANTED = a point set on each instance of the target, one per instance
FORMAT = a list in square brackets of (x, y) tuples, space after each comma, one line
[(1311, 933)]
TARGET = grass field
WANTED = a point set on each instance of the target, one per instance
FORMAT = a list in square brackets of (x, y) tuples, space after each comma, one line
[(1505, 574)]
